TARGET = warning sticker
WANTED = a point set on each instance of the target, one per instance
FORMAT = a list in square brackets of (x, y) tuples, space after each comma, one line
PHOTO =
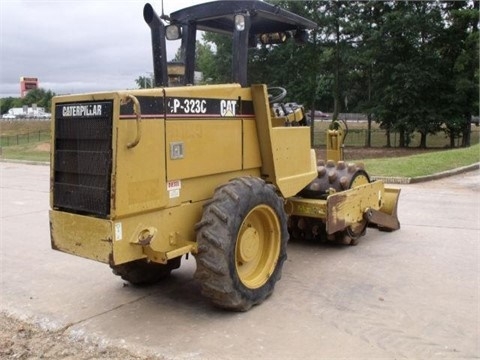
[(174, 185), (174, 193), (118, 231)]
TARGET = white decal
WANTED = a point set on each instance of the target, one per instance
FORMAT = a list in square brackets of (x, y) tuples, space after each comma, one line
[(188, 106), (228, 107), (118, 231), (82, 110), (174, 193), (176, 105)]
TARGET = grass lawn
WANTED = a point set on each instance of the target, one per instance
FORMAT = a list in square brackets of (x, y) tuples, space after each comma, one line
[(39, 151), (423, 164)]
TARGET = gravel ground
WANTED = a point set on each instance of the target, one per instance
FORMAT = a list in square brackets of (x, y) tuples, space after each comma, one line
[(23, 340)]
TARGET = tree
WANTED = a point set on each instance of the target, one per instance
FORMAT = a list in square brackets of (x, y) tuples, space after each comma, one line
[(205, 58), (8, 103), (369, 20), (205, 61), (328, 52), (384, 57), (144, 82), (406, 74), (41, 97), (214, 58), (425, 115), (459, 50)]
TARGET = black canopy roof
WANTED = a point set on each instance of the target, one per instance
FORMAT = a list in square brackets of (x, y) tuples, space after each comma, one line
[(218, 16)]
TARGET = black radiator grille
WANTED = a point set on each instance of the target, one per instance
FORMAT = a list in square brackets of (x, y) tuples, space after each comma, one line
[(83, 157)]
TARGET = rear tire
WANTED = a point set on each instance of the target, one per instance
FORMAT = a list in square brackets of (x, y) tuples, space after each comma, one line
[(242, 241), (143, 273)]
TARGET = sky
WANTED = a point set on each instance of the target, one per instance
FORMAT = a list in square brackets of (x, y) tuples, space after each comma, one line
[(77, 46)]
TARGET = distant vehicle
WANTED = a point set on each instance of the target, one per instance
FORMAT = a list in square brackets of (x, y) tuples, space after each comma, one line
[(8, 116), (45, 116), (321, 114)]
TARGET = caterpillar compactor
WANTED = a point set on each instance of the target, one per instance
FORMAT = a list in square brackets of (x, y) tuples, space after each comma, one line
[(140, 178)]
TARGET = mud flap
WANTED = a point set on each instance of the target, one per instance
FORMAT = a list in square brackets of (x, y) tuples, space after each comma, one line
[(385, 219)]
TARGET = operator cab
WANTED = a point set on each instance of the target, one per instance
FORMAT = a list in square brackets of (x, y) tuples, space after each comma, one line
[(247, 22)]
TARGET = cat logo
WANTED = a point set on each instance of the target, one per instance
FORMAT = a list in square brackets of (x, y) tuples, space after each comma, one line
[(228, 107)]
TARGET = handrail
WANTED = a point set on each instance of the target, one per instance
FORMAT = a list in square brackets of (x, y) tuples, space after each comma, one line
[(138, 113)]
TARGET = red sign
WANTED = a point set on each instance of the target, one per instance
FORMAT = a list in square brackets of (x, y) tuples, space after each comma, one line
[(27, 84)]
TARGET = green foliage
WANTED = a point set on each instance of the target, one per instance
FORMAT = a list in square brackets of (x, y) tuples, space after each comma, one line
[(8, 103), (144, 82), (206, 61), (406, 71), (214, 59), (412, 65), (458, 46), (41, 97)]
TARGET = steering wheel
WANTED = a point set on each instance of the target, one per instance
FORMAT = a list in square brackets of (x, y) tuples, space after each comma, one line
[(272, 98)]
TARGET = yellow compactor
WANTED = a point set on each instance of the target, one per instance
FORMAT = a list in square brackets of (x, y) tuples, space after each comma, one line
[(140, 178)]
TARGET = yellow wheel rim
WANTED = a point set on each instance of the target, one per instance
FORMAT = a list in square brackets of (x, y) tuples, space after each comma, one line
[(359, 180), (258, 246)]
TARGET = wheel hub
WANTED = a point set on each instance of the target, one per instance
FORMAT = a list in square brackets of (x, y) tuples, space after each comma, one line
[(248, 245), (258, 246)]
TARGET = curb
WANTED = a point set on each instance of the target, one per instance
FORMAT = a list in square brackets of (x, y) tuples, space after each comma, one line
[(414, 180)]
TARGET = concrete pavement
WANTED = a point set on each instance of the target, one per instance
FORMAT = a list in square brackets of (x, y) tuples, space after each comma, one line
[(413, 293)]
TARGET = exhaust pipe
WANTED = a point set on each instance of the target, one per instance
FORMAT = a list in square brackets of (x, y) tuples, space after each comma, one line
[(158, 45)]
